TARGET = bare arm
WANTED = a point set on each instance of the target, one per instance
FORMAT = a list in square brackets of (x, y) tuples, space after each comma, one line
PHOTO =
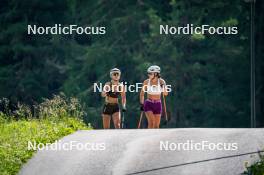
[(164, 87), (104, 93)]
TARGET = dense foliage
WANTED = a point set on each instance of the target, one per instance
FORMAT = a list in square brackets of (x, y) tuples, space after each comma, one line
[(55, 121), (210, 74)]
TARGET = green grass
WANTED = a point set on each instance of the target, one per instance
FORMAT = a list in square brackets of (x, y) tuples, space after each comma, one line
[(14, 137)]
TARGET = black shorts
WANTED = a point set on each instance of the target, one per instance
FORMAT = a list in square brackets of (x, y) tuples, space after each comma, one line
[(110, 108)]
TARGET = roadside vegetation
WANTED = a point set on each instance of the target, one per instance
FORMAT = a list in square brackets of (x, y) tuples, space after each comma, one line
[(257, 168), (56, 117)]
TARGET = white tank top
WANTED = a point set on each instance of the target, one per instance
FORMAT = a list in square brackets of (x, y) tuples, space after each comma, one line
[(154, 89)]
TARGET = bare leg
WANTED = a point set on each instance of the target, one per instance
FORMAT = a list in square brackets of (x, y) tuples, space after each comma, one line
[(157, 120), (116, 119), (106, 121), (150, 117)]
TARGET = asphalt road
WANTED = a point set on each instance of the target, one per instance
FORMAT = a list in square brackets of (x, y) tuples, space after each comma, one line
[(120, 152)]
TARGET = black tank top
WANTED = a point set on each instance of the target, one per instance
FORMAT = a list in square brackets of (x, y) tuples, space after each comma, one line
[(113, 94)]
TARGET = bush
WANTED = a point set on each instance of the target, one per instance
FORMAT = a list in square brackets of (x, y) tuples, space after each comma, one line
[(57, 107), (49, 121), (60, 106), (16, 134), (23, 112), (257, 168)]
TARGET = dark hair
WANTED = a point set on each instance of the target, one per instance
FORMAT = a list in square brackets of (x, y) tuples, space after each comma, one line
[(157, 74)]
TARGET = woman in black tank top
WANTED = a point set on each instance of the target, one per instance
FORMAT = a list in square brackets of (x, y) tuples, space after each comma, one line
[(111, 106)]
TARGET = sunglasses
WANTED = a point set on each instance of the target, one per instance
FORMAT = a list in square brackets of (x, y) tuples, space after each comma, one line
[(115, 74), (150, 73)]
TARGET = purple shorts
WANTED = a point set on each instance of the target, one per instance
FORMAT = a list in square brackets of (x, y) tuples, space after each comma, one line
[(153, 105)]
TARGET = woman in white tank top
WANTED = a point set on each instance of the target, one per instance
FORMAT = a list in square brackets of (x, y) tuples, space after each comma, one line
[(154, 86)]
